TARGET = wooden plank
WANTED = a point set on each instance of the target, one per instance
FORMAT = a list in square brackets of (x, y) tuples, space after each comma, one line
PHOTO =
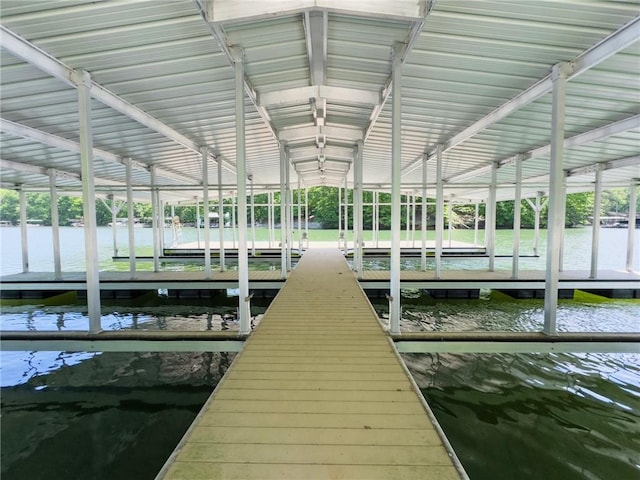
[(316, 436), (317, 392), (287, 471)]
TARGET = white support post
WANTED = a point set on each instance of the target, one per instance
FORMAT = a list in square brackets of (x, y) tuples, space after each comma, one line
[(244, 299), (345, 230), (114, 227), (413, 220), (376, 218), (357, 209), (253, 219), (204, 155), (423, 216), (23, 230), (595, 230), (340, 231), (450, 221), (198, 220), (490, 221), (517, 216), (220, 218), (299, 215), (396, 159), (234, 219), (289, 214), (475, 224), (407, 219), (161, 215), (564, 218), (439, 211), (55, 226), (83, 80), (556, 199), (154, 218), (283, 211), (270, 219), (130, 219), (633, 200), (306, 212)]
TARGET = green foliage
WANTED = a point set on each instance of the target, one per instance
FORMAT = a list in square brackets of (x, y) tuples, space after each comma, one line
[(9, 206)]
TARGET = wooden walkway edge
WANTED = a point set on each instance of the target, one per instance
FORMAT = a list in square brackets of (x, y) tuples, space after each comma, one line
[(318, 392)]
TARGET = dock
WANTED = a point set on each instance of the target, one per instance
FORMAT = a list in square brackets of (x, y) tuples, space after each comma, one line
[(317, 392)]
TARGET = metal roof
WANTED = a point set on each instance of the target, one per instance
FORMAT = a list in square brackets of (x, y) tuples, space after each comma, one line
[(476, 79)]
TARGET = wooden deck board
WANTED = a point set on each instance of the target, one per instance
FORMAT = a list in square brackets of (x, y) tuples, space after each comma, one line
[(317, 392)]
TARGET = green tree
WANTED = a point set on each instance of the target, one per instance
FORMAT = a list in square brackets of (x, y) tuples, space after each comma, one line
[(9, 206)]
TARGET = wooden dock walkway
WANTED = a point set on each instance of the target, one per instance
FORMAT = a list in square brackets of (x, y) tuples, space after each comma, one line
[(318, 392)]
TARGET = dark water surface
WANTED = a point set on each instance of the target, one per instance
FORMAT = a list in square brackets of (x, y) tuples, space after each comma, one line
[(537, 416), (110, 416)]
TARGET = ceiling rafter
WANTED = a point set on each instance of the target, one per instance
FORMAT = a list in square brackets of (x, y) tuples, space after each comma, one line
[(22, 48), (612, 44)]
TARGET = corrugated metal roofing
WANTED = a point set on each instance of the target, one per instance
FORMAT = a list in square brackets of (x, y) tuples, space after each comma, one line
[(468, 59)]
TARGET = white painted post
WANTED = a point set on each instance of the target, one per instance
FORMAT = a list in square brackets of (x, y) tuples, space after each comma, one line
[(475, 224), (299, 215), (556, 216), (439, 211), (130, 219), (357, 209), (564, 218), (595, 226), (283, 211), (376, 218), (633, 199), (233, 219), (83, 80), (490, 221), (244, 299), (204, 155), (346, 216), (396, 160), (271, 220), (517, 217), (340, 232), (289, 209), (55, 225), (198, 219), (306, 212), (23, 229), (154, 219), (253, 219), (423, 215), (536, 228), (221, 253), (450, 220), (407, 219)]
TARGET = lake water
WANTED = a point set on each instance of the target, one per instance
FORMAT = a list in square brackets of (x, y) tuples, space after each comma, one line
[(526, 416)]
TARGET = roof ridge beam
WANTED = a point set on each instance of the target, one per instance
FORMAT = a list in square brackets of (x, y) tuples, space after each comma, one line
[(27, 51), (607, 47), (331, 93)]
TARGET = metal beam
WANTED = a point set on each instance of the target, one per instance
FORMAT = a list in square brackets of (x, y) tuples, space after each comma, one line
[(221, 37), (407, 46), (305, 94), (315, 29), (22, 48), (23, 131), (614, 43), (340, 132)]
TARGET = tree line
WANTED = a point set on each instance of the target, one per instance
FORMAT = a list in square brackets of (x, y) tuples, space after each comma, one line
[(323, 209)]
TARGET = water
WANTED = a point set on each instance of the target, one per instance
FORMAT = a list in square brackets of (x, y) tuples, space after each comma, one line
[(526, 416)]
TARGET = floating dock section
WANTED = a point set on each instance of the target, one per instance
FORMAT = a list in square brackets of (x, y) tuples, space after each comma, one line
[(318, 392)]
